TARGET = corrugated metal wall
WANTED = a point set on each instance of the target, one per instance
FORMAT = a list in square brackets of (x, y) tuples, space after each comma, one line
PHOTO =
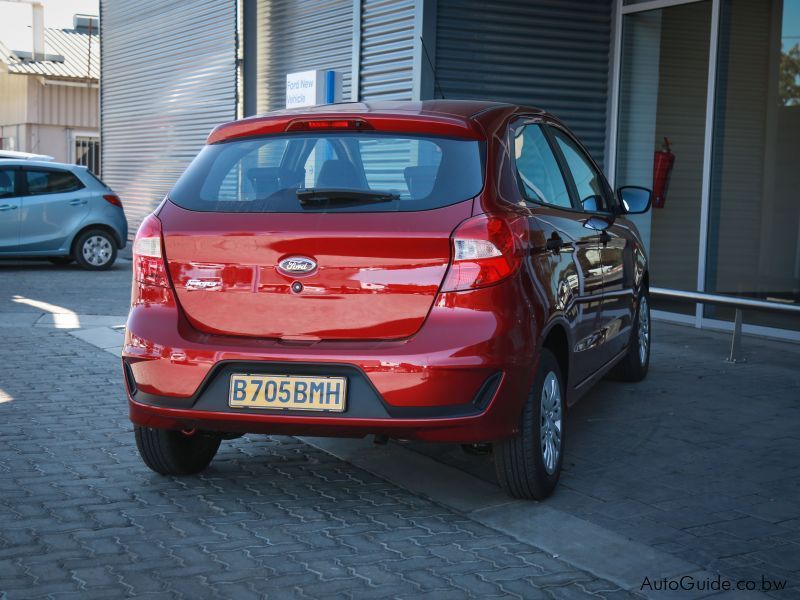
[(72, 106), (386, 73), (169, 68), (168, 77), (300, 35), (553, 54), (13, 98), (387, 49)]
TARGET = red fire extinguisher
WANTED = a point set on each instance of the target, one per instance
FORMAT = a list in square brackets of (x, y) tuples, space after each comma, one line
[(662, 168)]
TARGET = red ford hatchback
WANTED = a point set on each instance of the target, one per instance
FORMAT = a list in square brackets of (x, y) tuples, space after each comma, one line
[(451, 271)]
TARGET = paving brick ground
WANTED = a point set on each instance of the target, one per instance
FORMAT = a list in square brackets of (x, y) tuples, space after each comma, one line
[(80, 516)]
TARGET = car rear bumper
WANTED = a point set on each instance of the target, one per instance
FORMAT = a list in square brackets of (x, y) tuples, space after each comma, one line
[(461, 378), (492, 424)]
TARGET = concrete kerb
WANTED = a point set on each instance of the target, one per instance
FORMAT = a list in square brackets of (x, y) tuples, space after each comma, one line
[(105, 332)]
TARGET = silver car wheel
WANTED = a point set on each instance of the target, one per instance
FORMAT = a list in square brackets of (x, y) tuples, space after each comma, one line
[(644, 329), (97, 250), (550, 428)]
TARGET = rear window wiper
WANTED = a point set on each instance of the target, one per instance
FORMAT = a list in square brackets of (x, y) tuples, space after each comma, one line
[(319, 195)]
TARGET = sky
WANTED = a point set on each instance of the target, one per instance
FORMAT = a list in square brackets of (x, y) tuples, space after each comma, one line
[(15, 19), (791, 23)]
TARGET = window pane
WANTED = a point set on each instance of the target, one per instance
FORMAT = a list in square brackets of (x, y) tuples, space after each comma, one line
[(6, 183), (247, 171), (51, 182), (663, 92), (537, 168), (407, 167), (264, 174), (754, 219), (587, 180), (87, 153)]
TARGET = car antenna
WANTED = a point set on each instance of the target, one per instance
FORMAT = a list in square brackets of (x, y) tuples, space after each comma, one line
[(430, 62)]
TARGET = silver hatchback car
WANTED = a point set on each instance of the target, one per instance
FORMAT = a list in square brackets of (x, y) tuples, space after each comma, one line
[(61, 212)]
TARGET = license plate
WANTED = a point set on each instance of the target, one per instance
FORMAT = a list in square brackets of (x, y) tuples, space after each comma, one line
[(288, 392)]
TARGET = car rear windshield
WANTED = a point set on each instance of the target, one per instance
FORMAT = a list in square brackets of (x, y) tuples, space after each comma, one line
[(327, 172)]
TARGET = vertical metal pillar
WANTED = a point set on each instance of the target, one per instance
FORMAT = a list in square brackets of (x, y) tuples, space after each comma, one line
[(736, 342), (249, 71)]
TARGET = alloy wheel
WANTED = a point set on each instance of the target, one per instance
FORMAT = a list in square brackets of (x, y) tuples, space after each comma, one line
[(550, 428), (644, 329), (96, 250)]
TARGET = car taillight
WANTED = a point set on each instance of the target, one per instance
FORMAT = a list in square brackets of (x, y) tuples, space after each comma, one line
[(486, 250), (148, 259), (112, 199)]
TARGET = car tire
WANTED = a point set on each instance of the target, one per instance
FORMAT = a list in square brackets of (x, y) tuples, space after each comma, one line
[(636, 362), (523, 468), (95, 250), (176, 452)]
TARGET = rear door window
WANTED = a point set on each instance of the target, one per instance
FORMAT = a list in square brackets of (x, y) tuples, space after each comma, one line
[(51, 181), (589, 184), (265, 174), (538, 173), (7, 183)]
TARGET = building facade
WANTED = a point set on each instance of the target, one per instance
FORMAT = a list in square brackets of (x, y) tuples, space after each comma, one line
[(719, 79), (49, 103)]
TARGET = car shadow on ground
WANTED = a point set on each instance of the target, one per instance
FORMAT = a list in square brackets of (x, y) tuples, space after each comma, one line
[(580, 427)]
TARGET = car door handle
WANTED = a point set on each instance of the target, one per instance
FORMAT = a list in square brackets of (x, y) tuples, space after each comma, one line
[(554, 245), (5, 207), (77, 202)]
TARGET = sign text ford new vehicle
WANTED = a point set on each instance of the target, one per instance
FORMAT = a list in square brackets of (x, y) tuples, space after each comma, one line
[(450, 271)]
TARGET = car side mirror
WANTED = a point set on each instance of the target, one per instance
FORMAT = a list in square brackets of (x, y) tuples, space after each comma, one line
[(635, 200)]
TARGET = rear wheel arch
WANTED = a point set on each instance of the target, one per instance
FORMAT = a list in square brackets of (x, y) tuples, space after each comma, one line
[(103, 227), (557, 341), (528, 465)]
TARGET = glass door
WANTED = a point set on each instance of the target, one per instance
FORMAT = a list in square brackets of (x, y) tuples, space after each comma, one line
[(662, 134), (753, 245)]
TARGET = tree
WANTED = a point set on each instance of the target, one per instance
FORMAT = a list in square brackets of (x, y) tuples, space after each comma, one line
[(789, 82)]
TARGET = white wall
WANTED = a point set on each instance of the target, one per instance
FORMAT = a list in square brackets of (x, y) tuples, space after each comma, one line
[(13, 97)]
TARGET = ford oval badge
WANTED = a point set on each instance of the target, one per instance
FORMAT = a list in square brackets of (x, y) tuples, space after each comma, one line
[(297, 265)]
